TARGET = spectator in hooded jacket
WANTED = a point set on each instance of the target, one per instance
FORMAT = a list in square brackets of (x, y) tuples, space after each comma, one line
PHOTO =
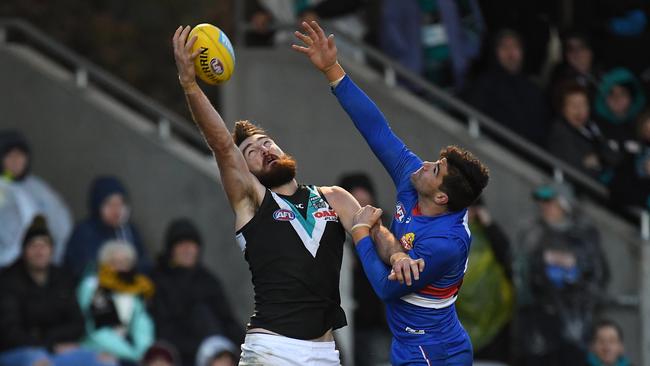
[(109, 219), (15, 168), (504, 93), (575, 138), (619, 101), (39, 316), (190, 303), (112, 300)]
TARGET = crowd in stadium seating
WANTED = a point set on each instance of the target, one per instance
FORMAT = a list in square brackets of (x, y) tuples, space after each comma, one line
[(101, 302), (91, 294)]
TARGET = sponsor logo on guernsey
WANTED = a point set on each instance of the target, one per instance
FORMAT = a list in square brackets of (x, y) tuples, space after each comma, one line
[(283, 215), (407, 241), (414, 331), (400, 212), (327, 215), (317, 202)]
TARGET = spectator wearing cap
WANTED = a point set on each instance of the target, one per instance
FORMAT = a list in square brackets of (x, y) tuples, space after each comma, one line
[(506, 94), (606, 348), (576, 139), (112, 301), (560, 278), (190, 303), (371, 336), (109, 219), (216, 351), (619, 101), (39, 315)]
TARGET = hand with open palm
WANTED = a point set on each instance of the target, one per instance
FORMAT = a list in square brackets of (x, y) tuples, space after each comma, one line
[(320, 49)]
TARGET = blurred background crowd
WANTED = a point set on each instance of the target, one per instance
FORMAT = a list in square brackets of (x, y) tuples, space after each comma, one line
[(571, 77)]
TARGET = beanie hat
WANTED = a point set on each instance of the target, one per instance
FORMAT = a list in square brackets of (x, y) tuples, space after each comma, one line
[(180, 230), (38, 227)]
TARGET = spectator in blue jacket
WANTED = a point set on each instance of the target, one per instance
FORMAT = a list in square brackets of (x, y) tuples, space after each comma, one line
[(109, 219)]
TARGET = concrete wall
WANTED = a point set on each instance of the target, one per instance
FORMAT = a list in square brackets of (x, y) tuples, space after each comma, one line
[(79, 134)]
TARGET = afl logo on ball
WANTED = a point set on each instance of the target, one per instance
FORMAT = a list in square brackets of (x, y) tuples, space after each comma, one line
[(283, 215), (216, 66)]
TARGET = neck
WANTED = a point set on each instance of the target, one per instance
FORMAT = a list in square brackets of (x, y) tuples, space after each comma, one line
[(286, 189), (38, 275), (429, 208)]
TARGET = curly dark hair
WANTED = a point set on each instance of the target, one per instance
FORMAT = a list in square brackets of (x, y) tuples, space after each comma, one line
[(466, 177), (245, 129)]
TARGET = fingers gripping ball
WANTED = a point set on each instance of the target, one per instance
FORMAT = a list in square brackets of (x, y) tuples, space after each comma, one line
[(216, 60)]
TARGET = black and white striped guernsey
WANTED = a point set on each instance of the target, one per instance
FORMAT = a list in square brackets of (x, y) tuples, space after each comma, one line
[(294, 248)]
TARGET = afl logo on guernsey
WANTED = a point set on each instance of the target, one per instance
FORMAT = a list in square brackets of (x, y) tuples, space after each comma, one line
[(400, 212), (283, 215)]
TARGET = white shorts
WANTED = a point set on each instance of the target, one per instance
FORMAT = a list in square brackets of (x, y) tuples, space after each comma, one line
[(275, 350)]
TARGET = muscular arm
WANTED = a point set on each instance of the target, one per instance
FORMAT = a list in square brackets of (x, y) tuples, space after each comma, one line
[(397, 159), (346, 206), (242, 188)]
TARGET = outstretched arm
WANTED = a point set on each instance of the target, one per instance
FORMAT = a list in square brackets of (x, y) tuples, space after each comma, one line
[(242, 188), (397, 159)]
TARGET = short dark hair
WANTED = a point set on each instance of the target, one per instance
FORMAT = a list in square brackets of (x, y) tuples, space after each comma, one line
[(466, 177), (245, 129), (566, 88), (604, 323)]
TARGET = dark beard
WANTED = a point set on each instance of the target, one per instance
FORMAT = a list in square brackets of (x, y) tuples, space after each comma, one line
[(283, 171)]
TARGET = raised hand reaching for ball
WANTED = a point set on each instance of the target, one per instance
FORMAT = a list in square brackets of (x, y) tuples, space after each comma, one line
[(185, 57), (320, 49)]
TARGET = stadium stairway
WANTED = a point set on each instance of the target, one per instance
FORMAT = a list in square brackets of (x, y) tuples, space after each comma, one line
[(78, 133)]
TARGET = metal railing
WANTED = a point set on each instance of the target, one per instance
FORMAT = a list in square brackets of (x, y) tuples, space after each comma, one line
[(86, 74), (476, 121)]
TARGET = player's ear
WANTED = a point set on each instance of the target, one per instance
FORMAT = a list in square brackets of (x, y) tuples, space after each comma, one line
[(441, 198)]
